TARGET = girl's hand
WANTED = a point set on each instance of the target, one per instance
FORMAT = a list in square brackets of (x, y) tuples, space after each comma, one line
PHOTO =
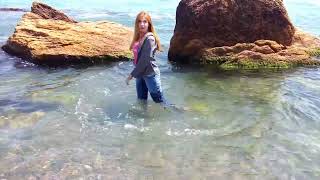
[(128, 79)]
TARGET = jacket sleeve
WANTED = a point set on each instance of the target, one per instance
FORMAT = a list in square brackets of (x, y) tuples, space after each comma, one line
[(145, 57)]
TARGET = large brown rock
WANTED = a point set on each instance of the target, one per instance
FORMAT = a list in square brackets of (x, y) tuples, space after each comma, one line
[(227, 22), (46, 36), (233, 29)]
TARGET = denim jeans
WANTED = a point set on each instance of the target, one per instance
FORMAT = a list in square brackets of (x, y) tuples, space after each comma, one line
[(152, 84)]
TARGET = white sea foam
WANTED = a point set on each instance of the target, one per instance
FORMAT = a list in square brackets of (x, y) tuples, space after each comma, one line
[(190, 132), (133, 127)]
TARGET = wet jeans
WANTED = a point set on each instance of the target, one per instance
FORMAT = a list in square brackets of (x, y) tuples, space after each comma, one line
[(152, 84)]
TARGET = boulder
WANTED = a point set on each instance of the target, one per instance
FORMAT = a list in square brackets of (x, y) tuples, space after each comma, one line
[(230, 31), (48, 37)]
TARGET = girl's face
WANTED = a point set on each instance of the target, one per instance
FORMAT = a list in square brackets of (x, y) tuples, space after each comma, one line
[(143, 25)]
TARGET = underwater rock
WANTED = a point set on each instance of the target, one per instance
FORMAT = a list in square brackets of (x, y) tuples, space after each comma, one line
[(20, 120)]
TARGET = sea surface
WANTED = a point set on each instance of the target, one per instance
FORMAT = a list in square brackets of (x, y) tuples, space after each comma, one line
[(86, 123)]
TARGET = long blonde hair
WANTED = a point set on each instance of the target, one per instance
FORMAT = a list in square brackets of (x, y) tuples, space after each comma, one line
[(150, 29)]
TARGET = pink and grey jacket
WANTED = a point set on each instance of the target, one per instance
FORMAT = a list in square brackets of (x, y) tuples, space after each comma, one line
[(146, 63)]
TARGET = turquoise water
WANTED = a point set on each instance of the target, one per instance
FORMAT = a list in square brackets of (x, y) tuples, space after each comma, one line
[(84, 122)]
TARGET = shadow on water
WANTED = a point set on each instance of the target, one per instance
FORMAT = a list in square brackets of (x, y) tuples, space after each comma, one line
[(26, 106), (19, 63), (217, 72)]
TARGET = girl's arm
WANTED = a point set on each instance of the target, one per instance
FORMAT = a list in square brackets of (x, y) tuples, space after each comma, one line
[(145, 57)]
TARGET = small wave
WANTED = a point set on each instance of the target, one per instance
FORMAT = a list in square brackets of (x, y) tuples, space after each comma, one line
[(89, 15), (13, 9), (161, 16), (96, 14), (132, 15), (133, 127), (3, 38), (82, 116), (22, 63), (155, 15)]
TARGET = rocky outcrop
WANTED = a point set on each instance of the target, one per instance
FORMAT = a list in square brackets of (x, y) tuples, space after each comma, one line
[(265, 53), (47, 36), (47, 12), (239, 33)]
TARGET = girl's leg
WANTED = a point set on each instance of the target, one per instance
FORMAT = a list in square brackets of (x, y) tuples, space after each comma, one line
[(154, 86), (142, 90)]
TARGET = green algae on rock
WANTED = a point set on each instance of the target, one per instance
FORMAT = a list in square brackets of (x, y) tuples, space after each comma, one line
[(20, 120)]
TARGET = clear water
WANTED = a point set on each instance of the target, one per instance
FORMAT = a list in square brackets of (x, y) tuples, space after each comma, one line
[(84, 122)]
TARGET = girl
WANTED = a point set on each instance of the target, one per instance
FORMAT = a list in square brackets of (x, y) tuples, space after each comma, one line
[(144, 45)]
